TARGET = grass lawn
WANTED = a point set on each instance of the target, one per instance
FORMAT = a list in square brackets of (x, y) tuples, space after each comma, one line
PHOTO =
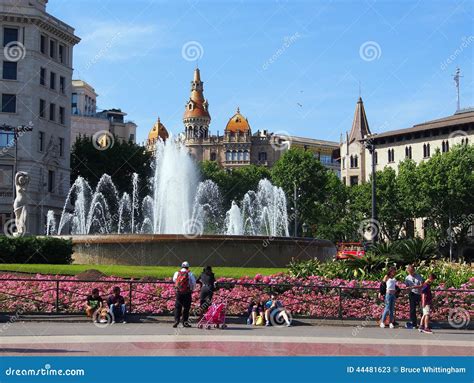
[(134, 271)]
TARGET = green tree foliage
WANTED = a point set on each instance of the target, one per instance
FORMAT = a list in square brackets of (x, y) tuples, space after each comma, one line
[(301, 168), (119, 161)]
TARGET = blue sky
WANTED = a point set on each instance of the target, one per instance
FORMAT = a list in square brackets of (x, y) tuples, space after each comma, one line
[(291, 66)]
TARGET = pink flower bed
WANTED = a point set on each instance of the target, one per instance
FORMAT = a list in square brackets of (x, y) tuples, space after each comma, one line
[(355, 299)]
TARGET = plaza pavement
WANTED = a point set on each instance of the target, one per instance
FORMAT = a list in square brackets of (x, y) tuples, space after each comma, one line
[(147, 339)]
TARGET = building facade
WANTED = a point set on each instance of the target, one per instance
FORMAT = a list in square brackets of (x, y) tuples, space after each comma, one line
[(239, 145), (36, 72), (86, 121), (417, 143)]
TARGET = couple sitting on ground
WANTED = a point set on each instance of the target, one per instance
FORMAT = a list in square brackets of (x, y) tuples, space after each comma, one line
[(98, 310), (272, 311)]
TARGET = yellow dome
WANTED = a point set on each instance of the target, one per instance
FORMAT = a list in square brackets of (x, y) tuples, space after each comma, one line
[(237, 123), (158, 130)]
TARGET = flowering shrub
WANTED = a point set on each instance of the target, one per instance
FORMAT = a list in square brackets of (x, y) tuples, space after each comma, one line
[(313, 296)]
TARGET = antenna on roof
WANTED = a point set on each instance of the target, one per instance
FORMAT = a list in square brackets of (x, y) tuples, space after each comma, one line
[(360, 92), (457, 77)]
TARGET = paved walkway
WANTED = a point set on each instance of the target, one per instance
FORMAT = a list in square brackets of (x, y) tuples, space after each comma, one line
[(48, 338)]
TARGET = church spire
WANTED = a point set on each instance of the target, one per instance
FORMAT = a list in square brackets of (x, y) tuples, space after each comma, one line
[(360, 126)]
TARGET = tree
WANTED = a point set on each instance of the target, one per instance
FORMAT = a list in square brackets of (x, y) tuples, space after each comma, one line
[(447, 185), (119, 161), (300, 168)]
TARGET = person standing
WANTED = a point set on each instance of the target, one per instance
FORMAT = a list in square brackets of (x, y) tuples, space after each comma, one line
[(414, 281), (184, 283), (390, 297), (207, 280), (426, 304)]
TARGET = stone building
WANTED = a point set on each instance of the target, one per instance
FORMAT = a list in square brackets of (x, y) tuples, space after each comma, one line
[(36, 72), (418, 143), (239, 145), (85, 120)]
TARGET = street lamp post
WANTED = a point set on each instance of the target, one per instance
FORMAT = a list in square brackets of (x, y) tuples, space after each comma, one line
[(295, 200), (370, 145)]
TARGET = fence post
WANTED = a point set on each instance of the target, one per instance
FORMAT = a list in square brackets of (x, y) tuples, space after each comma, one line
[(57, 296), (130, 298), (340, 302)]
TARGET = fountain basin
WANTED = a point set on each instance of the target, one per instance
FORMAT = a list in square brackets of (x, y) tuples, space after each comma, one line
[(213, 250)]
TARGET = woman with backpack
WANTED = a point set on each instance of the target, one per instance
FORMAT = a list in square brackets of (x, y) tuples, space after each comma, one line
[(184, 283), (207, 280)]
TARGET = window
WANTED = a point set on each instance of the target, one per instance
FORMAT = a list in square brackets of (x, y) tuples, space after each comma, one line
[(52, 112), (41, 141), (52, 80), (376, 155), (213, 156), (234, 155), (343, 180), (50, 181), (43, 44), (354, 180), (6, 139), (9, 35), (43, 76), (354, 162), (445, 146), (228, 155), (131, 138), (61, 115), (391, 155), (62, 84), (240, 155), (9, 70), (8, 103), (408, 152), (246, 155), (52, 49), (62, 54), (61, 147), (262, 156), (42, 108), (426, 150), (344, 163)]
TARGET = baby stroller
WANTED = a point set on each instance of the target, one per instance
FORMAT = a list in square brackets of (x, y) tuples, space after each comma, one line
[(215, 316)]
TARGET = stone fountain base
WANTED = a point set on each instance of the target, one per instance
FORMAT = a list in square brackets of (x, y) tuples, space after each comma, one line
[(213, 250)]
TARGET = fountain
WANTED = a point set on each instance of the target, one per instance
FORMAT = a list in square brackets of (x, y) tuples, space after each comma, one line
[(183, 213)]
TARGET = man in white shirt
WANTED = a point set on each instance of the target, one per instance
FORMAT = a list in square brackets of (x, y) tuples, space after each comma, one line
[(414, 281), (184, 283)]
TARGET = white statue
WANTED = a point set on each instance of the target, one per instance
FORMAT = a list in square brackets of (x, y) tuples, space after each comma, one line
[(20, 204)]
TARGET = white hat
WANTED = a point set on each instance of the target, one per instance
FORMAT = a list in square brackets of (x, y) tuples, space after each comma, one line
[(185, 264)]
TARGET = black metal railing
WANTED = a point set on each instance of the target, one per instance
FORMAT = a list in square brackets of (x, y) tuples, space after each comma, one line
[(68, 296)]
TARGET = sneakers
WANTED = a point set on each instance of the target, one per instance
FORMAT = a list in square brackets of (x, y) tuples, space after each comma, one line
[(288, 324), (382, 325), (124, 321), (427, 331), (175, 325), (421, 329), (267, 324), (391, 325), (186, 324)]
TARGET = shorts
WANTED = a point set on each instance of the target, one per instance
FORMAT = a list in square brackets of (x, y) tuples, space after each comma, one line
[(426, 310)]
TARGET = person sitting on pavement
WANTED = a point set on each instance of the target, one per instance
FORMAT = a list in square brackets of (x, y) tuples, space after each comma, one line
[(256, 312), (274, 310), (207, 280), (117, 306), (94, 303), (184, 283)]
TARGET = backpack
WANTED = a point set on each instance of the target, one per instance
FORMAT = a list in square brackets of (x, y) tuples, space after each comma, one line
[(182, 282)]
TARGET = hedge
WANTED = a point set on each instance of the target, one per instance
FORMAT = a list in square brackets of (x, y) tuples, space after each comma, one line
[(35, 250)]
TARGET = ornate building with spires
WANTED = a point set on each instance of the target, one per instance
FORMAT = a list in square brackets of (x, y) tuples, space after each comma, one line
[(238, 146), (418, 143)]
